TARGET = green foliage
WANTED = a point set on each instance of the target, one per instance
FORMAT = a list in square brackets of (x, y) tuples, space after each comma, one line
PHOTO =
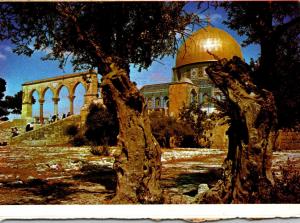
[(275, 26), (10, 104), (164, 127), (99, 150), (77, 137), (101, 125), (14, 103), (72, 130), (3, 104), (258, 21), (79, 140), (2, 87), (96, 34), (286, 188), (194, 116)]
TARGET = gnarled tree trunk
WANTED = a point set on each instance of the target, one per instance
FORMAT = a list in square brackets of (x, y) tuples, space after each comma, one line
[(247, 168), (138, 165)]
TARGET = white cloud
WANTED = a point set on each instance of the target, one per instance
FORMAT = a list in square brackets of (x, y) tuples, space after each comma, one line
[(7, 49), (2, 56), (216, 16)]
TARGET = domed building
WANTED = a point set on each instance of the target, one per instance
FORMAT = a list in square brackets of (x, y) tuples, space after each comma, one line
[(190, 83)]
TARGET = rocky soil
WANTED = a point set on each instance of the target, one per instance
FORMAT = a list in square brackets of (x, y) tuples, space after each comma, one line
[(72, 175)]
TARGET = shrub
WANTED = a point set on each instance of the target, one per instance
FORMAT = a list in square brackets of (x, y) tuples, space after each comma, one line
[(99, 150), (79, 140), (164, 127), (102, 126), (72, 130), (286, 188)]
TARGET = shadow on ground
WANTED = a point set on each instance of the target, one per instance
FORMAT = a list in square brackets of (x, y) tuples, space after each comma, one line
[(98, 174), (48, 192), (210, 177), (188, 183)]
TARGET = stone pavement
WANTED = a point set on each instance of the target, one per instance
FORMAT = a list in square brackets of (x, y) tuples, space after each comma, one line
[(72, 175)]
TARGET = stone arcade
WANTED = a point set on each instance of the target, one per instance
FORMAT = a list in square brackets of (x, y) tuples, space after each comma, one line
[(190, 82), (87, 79)]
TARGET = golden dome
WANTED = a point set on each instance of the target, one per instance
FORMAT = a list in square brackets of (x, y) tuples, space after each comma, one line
[(214, 40)]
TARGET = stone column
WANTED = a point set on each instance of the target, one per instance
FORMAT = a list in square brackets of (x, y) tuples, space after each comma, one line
[(41, 101), (26, 104), (55, 100), (71, 98), (26, 110)]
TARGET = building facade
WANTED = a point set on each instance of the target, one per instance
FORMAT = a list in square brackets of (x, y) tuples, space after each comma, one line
[(190, 83)]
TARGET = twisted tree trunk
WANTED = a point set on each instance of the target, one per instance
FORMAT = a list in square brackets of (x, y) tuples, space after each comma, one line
[(138, 166), (247, 168)]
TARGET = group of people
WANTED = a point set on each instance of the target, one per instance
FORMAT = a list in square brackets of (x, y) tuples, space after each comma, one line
[(29, 126), (15, 131), (55, 118)]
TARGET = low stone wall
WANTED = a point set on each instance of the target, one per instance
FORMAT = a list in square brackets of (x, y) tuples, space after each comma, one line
[(51, 134), (288, 140), (5, 128)]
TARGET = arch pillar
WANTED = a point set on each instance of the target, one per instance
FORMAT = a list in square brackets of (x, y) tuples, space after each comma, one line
[(26, 104), (71, 98), (41, 101), (26, 109), (91, 86), (55, 101)]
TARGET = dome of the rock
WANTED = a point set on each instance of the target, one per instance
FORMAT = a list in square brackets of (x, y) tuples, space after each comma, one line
[(209, 39)]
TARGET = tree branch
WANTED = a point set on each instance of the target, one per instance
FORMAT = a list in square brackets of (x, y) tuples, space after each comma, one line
[(65, 11), (280, 29)]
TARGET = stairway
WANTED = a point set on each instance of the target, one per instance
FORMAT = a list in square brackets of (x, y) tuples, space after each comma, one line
[(47, 135)]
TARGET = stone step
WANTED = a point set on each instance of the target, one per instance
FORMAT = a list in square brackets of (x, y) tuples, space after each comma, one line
[(46, 135)]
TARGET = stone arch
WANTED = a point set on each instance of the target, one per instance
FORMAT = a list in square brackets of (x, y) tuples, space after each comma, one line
[(73, 89), (80, 96), (64, 99), (88, 80), (30, 95), (35, 109), (59, 89), (44, 90)]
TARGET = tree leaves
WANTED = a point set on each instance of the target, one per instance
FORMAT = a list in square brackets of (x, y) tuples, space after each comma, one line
[(95, 33)]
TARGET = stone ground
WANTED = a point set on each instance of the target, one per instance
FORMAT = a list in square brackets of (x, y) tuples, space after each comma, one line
[(72, 175)]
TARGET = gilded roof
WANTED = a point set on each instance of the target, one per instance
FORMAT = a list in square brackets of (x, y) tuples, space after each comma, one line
[(214, 40)]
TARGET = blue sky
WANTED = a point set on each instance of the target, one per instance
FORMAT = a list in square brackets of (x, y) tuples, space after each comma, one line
[(19, 69)]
